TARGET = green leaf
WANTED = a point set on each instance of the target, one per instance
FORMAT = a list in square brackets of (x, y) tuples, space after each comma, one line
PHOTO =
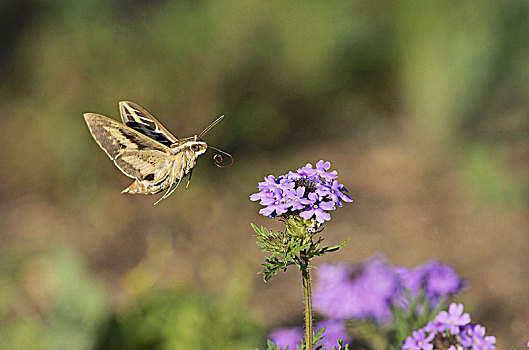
[(323, 251), (271, 346)]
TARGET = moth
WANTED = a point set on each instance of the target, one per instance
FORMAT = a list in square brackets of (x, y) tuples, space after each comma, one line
[(143, 149)]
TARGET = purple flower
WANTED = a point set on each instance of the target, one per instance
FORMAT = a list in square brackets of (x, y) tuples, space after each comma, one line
[(379, 284), (434, 326), (370, 291), (332, 275), (438, 281), (295, 199), (320, 172), (269, 191), (274, 206), (343, 293), (259, 196), (335, 294), (269, 181), (337, 195), (475, 337), (321, 169), (317, 208), (419, 341), (286, 184), (287, 336), (453, 319), (307, 171), (466, 336), (334, 330), (310, 193), (442, 280)]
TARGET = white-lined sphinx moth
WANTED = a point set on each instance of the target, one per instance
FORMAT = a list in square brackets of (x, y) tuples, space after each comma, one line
[(143, 149)]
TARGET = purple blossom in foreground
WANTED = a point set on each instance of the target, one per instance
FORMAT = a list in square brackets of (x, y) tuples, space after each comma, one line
[(442, 330), (366, 296), (371, 290), (334, 330), (453, 319), (441, 280), (287, 336), (419, 341), (438, 281), (474, 337), (309, 192)]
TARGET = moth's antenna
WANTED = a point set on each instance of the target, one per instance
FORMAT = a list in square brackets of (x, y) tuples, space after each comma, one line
[(219, 159), (210, 126)]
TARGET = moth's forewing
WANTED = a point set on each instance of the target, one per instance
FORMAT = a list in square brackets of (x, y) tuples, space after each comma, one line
[(136, 155), (137, 118), (114, 137)]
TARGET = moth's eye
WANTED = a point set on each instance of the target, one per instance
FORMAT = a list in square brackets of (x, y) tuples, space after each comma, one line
[(195, 148)]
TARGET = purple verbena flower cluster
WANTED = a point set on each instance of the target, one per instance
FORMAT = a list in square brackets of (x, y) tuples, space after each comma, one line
[(346, 292), (436, 279), (309, 192), (370, 291), (450, 329)]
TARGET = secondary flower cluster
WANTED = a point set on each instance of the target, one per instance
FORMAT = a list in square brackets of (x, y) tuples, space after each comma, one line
[(309, 192), (370, 291), (450, 330)]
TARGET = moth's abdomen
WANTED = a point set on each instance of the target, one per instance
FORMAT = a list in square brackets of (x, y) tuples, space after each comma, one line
[(142, 188)]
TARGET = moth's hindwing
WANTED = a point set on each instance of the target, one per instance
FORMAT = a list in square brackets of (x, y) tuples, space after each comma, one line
[(151, 167)]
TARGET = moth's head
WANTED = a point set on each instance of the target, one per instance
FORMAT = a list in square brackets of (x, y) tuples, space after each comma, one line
[(198, 146)]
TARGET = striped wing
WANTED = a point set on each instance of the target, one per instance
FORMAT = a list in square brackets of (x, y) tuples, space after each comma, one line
[(136, 155), (137, 118)]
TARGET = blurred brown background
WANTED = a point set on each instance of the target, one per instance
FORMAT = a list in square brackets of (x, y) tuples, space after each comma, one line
[(422, 107)]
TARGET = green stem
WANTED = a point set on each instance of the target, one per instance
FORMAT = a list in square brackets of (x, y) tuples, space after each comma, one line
[(307, 299)]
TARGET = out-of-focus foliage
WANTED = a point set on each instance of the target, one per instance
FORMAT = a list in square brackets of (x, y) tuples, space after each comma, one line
[(333, 79), (52, 302), (49, 302), (180, 320)]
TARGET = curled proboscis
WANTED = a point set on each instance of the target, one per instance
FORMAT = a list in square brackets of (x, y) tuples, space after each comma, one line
[(218, 158)]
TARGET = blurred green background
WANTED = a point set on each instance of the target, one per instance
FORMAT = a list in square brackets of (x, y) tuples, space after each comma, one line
[(422, 107)]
